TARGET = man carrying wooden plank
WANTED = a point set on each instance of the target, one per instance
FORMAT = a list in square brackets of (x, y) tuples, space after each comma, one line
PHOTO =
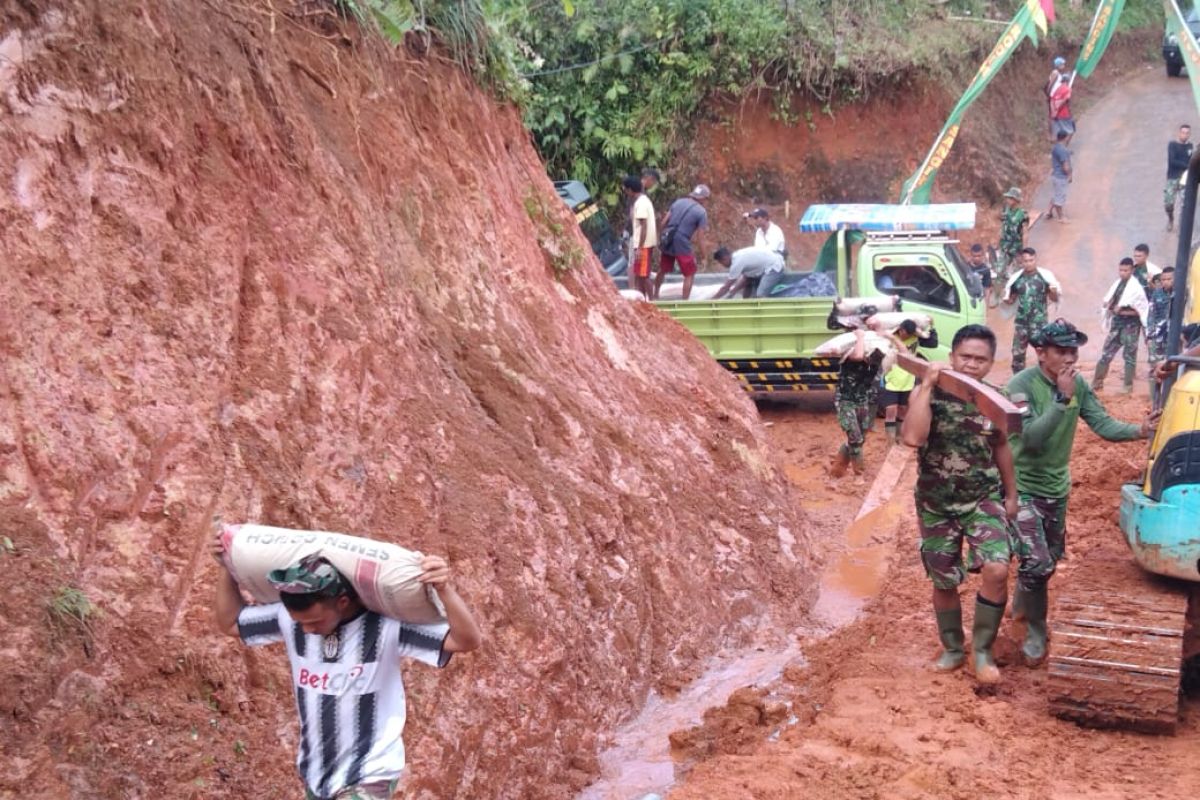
[(1056, 396), (966, 490)]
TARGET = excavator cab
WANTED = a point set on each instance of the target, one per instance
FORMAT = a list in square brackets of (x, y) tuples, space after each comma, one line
[(1124, 635)]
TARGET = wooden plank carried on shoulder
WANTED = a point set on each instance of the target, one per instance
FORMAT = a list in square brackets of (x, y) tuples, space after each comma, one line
[(995, 406)]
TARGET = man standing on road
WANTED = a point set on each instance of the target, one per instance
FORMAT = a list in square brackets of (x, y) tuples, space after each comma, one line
[(1060, 175), (1125, 310), (963, 465), (767, 235), (1055, 396), (752, 270), (346, 668), (1052, 82), (1143, 268), (1061, 120), (1162, 291), (682, 235), (643, 237), (1179, 153), (1032, 290), (1013, 220)]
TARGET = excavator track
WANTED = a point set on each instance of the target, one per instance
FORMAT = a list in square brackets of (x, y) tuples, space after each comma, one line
[(1116, 650)]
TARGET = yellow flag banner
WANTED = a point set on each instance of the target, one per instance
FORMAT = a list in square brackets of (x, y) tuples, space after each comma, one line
[(1104, 24), (1026, 23)]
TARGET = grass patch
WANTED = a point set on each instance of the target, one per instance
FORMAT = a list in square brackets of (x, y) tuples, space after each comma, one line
[(71, 615)]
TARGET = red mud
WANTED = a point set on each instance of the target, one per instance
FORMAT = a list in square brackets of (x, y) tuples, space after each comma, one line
[(871, 721), (257, 267)]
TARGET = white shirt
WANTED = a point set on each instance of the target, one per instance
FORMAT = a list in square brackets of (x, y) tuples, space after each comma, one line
[(754, 262), (771, 238), (643, 215), (351, 697)]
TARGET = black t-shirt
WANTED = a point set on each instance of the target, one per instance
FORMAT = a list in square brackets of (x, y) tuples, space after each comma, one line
[(1178, 156)]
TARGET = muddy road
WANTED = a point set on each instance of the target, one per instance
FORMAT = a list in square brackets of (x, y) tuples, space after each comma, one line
[(865, 717)]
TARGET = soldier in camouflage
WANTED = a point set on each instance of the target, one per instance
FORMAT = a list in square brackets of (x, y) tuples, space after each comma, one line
[(854, 400), (1159, 319), (1124, 327), (1032, 294), (1013, 220), (966, 490)]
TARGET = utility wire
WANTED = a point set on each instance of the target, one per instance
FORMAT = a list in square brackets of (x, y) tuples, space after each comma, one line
[(585, 64)]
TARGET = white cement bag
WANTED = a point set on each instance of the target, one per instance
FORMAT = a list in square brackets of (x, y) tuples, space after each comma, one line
[(891, 319), (849, 306), (383, 574), (839, 346)]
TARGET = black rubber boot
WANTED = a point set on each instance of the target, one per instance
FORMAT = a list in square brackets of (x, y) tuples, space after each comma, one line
[(950, 632), (1033, 605), (983, 635)]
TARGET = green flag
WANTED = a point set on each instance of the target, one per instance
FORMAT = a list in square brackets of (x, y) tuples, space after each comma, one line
[(1177, 27), (1103, 25), (1026, 23)]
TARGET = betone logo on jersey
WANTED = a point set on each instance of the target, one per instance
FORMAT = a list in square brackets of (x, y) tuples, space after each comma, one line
[(335, 679)]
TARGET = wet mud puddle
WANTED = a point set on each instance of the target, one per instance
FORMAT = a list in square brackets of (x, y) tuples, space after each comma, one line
[(639, 762)]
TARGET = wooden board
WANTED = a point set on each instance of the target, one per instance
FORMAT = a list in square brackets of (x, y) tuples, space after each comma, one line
[(995, 406)]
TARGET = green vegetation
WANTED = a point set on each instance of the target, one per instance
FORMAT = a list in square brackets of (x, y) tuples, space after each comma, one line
[(71, 613), (559, 248), (608, 87)]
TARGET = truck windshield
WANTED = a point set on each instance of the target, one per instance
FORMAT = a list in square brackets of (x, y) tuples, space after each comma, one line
[(969, 278)]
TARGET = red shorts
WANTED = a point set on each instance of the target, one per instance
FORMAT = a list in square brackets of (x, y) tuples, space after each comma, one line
[(640, 268), (687, 264)]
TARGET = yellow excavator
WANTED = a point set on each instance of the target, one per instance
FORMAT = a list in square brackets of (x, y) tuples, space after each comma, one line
[(1125, 637)]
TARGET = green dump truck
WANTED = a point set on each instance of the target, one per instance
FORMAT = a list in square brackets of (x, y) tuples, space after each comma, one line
[(872, 250)]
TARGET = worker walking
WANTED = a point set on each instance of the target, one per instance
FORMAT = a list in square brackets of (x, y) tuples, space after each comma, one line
[(1031, 290), (346, 667), (966, 492), (1055, 396), (1158, 321), (1179, 155), (1124, 315), (858, 381), (898, 382)]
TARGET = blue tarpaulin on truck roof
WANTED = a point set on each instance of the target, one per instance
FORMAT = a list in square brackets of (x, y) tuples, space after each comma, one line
[(886, 218)]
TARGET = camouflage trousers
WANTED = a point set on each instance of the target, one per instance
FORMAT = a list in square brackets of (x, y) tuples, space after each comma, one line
[(1041, 539), (1156, 350), (1022, 333), (376, 790), (1120, 336), (985, 530), (854, 418), (1170, 194)]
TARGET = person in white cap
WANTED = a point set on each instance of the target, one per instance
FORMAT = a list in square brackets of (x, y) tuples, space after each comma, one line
[(767, 235), (682, 233)]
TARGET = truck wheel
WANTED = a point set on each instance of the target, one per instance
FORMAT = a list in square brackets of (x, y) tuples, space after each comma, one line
[(1173, 70)]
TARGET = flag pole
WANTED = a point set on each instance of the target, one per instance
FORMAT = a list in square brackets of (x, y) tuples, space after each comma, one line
[(1095, 17)]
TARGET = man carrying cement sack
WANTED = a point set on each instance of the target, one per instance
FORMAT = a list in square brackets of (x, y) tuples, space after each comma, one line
[(345, 667)]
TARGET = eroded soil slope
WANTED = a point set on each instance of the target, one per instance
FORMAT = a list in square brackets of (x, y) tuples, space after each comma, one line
[(255, 266)]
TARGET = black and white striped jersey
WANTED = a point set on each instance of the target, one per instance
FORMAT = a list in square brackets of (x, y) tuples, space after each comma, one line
[(351, 702)]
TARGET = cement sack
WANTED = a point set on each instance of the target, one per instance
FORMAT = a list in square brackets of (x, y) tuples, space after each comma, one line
[(891, 319), (383, 574), (841, 345), (856, 306)]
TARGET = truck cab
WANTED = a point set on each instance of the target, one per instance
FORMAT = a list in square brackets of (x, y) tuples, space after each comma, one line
[(872, 250), (605, 242)]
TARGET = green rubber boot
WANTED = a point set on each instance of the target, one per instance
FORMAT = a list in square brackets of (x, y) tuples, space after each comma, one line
[(983, 635), (1033, 604), (950, 632), (1130, 374), (1099, 376)]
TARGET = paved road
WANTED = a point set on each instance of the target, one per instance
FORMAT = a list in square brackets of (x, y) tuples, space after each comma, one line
[(1115, 202)]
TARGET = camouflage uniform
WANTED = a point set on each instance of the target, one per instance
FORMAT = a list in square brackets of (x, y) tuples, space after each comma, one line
[(1012, 239), (855, 398), (1124, 332), (1032, 292), (1156, 325), (1041, 539), (959, 492)]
